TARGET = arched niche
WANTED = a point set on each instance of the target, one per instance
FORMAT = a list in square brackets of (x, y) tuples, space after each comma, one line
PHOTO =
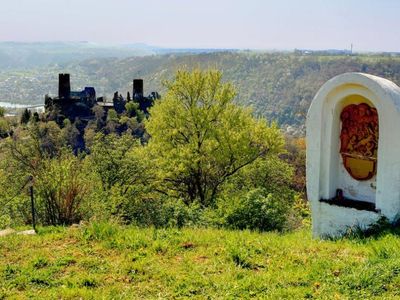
[(326, 171), (352, 186)]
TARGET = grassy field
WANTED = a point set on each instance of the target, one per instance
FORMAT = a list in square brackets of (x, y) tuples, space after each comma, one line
[(107, 261)]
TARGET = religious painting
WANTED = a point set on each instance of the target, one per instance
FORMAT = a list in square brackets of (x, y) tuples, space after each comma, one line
[(359, 140)]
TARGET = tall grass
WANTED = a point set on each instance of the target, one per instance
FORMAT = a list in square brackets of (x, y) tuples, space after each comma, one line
[(104, 260)]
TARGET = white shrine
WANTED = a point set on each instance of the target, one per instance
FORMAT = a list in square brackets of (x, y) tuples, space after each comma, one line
[(353, 153)]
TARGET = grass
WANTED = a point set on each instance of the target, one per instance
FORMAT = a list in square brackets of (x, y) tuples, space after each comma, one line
[(108, 261)]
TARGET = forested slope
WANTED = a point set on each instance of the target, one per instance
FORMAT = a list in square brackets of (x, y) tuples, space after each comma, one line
[(279, 86)]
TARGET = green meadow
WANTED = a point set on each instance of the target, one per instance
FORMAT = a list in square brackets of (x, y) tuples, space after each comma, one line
[(110, 261)]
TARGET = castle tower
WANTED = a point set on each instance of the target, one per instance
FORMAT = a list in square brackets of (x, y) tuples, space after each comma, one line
[(64, 86), (137, 88)]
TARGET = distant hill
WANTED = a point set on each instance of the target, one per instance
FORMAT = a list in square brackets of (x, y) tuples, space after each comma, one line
[(279, 86), (27, 55)]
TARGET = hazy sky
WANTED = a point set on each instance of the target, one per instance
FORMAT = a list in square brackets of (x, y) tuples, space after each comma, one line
[(264, 24)]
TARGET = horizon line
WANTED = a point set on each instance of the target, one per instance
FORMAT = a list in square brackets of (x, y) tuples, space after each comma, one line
[(126, 44)]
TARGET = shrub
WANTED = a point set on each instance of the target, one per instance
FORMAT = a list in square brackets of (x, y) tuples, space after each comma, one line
[(175, 213), (4, 127), (5, 221), (60, 187), (158, 212), (259, 209)]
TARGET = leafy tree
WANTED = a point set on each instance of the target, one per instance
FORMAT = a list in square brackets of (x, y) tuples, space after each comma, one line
[(47, 138), (116, 164), (100, 116), (22, 155), (36, 117), (31, 153), (296, 156), (61, 186), (200, 138), (4, 128), (26, 116), (112, 121), (89, 135), (2, 111), (133, 110), (14, 205), (110, 159), (71, 136)]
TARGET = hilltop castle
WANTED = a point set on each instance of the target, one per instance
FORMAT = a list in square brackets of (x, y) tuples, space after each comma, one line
[(79, 104)]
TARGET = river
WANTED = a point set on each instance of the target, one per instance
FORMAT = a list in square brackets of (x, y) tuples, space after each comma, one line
[(16, 105)]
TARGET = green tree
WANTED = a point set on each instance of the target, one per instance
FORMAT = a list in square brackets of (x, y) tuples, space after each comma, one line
[(26, 116), (2, 111), (4, 128), (35, 152), (133, 110), (70, 135), (111, 159), (61, 186), (119, 170), (112, 122), (200, 138), (23, 155)]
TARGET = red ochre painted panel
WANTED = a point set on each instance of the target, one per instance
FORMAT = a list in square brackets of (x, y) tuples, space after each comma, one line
[(359, 140)]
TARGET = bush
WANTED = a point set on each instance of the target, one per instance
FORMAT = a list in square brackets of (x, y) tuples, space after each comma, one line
[(175, 213), (4, 128), (5, 221), (158, 212), (61, 187), (259, 209), (15, 208)]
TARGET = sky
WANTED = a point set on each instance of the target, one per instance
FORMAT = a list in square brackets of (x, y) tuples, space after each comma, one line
[(370, 25)]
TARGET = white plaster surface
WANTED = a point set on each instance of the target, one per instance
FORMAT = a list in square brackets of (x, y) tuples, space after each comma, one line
[(337, 220), (325, 171)]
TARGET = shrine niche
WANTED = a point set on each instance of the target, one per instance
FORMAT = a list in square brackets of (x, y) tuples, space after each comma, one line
[(353, 161), (359, 140)]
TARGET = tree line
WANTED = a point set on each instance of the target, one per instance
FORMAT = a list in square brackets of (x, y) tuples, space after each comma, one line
[(198, 159)]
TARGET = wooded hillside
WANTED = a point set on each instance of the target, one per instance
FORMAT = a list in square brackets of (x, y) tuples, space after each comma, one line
[(279, 86)]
